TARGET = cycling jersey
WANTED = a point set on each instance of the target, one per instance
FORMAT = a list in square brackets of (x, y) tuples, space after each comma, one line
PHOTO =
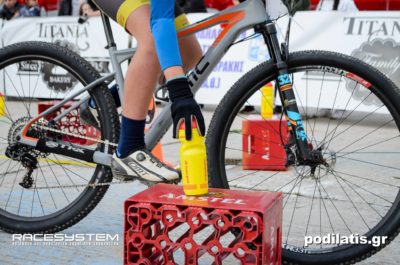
[(162, 23), (119, 10)]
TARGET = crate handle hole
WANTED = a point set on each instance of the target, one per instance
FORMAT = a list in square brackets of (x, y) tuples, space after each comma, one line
[(188, 246), (240, 252), (214, 249), (163, 243), (195, 220)]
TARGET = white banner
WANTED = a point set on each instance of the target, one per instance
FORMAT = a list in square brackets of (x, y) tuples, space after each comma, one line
[(88, 40), (374, 37)]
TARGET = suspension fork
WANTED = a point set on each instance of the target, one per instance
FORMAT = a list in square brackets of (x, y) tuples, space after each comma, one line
[(285, 87)]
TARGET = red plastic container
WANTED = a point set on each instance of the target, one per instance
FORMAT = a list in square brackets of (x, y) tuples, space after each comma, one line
[(163, 226), (262, 144), (70, 123)]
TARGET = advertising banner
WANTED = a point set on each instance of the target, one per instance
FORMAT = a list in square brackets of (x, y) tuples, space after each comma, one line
[(373, 37), (87, 40)]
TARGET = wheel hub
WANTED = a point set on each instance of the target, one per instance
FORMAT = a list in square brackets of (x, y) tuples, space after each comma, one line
[(320, 158)]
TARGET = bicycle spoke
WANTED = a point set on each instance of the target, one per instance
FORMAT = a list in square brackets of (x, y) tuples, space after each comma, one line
[(362, 198), (294, 208), (332, 108), (371, 145), (334, 135), (319, 100), (341, 120), (264, 180), (360, 187), (20, 201), (12, 188), (19, 95), (348, 197), (300, 177), (245, 175), (365, 135), (65, 172), (370, 163), (58, 182), (47, 185), (372, 180), (311, 207), (334, 205)]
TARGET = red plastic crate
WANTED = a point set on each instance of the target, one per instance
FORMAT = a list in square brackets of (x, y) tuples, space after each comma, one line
[(70, 123), (163, 226), (262, 143)]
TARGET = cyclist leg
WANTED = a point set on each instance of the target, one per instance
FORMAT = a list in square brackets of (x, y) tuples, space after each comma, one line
[(189, 46), (139, 84)]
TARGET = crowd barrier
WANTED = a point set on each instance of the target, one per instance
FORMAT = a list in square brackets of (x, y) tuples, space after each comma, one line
[(374, 37)]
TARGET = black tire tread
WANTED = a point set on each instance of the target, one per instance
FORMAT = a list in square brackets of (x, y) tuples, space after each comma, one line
[(231, 98)]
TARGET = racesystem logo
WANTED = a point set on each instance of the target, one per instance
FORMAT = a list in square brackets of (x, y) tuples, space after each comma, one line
[(65, 239)]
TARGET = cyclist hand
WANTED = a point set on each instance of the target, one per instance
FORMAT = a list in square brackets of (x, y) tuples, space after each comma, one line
[(184, 108)]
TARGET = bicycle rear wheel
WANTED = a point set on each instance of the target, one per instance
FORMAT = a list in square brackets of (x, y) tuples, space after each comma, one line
[(351, 112), (34, 77)]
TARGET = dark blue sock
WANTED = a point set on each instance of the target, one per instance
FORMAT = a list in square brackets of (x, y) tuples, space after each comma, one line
[(131, 136), (115, 95)]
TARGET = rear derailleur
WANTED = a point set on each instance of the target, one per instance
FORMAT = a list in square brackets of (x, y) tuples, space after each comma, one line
[(18, 152)]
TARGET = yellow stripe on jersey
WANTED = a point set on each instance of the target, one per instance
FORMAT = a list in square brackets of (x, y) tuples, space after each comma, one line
[(127, 8), (181, 21)]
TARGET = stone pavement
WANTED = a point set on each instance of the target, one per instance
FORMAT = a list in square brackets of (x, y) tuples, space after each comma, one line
[(107, 217)]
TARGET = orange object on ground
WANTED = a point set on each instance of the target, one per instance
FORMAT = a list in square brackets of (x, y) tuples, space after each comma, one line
[(157, 150)]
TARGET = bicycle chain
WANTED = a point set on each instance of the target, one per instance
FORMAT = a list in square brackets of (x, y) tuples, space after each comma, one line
[(90, 185), (106, 142)]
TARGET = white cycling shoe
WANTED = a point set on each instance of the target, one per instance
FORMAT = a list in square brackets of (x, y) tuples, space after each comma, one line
[(145, 167)]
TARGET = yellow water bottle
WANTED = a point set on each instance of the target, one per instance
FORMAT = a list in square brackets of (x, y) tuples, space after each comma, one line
[(193, 162), (267, 101)]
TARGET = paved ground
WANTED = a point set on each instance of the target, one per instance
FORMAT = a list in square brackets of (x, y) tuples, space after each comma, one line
[(107, 217)]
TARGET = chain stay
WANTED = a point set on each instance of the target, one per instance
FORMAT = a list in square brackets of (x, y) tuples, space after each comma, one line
[(91, 185)]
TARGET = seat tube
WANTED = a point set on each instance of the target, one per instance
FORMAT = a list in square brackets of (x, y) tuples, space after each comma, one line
[(285, 88)]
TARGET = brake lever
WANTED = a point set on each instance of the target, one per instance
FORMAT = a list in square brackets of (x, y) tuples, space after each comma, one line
[(82, 19), (164, 93)]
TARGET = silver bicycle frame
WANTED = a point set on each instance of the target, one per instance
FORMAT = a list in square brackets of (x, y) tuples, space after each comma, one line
[(240, 18)]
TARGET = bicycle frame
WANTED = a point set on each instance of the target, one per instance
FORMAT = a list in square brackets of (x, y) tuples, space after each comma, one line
[(246, 15)]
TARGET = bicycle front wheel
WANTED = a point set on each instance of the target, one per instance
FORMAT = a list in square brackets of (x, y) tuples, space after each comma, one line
[(54, 194), (351, 114)]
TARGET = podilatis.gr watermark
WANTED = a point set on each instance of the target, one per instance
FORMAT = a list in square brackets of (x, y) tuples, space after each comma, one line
[(337, 239)]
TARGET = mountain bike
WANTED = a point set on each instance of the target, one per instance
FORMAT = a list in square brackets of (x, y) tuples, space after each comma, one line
[(342, 174)]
